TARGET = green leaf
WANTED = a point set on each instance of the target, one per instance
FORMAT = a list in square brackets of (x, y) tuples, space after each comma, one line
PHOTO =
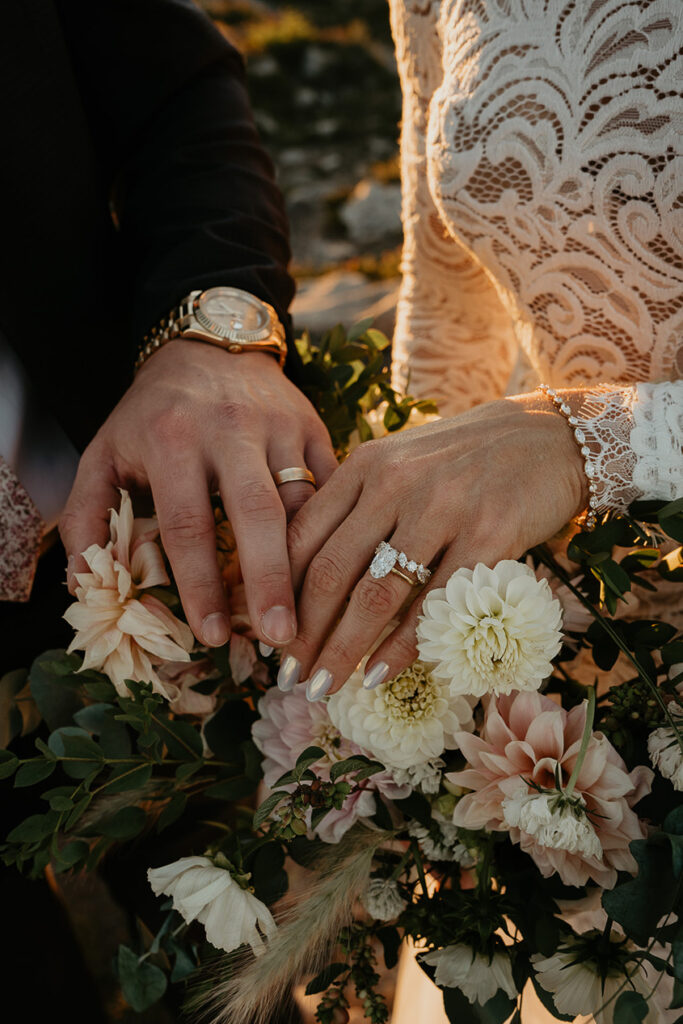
[(113, 735), (127, 777), (229, 727), (638, 904), (33, 772), (8, 763), (185, 771), (378, 339), (630, 1008), (357, 763), (125, 824), (672, 653), (267, 869), (614, 577), (172, 811), (73, 742), (183, 965), (182, 739), (416, 806), (461, 1011), (309, 756), (142, 983), (55, 686), (11, 722), (71, 853), (78, 811), (231, 789), (325, 978), (390, 938), (265, 809), (34, 828), (359, 329)]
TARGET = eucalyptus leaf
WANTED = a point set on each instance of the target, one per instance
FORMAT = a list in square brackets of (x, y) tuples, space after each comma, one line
[(141, 982), (325, 978), (55, 687), (630, 1008), (33, 772), (125, 824)]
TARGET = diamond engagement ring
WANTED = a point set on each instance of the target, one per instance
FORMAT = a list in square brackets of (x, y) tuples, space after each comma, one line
[(388, 559)]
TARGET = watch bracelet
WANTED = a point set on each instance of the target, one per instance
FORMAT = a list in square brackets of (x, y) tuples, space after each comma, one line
[(168, 329)]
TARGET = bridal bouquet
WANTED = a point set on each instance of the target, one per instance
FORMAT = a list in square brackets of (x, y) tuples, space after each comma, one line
[(511, 803)]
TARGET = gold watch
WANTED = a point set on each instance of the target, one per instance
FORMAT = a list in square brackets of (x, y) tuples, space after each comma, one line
[(228, 317)]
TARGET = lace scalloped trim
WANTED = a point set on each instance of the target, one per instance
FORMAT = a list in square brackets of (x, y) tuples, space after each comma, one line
[(605, 417), (657, 440)]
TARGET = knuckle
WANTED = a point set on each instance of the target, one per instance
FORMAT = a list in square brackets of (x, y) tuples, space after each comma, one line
[(375, 597), (296, 538), (276, 577), (170, 425), (337, 652), (325, 575), (233, 414), (256, 500), (187, 525), (403, 648)]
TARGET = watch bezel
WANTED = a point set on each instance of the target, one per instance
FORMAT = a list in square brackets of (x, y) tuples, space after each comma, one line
[(231, 334)]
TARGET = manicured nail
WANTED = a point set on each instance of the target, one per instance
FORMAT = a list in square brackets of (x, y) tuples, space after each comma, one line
[(318, 684), (376, 675), (70, 569), (278, 625), (215, 630), (288, 676), (265, 650)]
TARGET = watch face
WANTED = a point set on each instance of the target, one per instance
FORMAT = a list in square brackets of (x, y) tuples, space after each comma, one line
[(234, 314)]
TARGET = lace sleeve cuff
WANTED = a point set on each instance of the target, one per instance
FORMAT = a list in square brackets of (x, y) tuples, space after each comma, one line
[(632, 442)]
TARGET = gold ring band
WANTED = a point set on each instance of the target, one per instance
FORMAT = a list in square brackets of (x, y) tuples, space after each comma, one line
[(293, 473), (404, 576)]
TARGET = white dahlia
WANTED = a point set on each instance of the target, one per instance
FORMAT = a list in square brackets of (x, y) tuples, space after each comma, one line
[(553, 821), (491, 630), (405, 721), (205, 892), (477, 977)]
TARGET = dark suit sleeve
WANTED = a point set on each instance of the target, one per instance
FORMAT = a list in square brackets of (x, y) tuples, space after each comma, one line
[(192, 187)]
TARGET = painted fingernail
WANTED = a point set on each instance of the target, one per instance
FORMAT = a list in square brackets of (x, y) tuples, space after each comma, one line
[(318, 684), (288, 676), (264, 649), (376, 675), (278, 625), (215, 630)]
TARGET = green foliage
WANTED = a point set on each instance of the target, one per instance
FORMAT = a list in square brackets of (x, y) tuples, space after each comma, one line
[(345, 376)]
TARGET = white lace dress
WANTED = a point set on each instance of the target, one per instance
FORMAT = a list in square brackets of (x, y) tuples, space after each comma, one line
[(542, 169)]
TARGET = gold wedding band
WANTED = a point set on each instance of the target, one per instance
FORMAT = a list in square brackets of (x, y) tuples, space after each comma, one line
[(404, 576), (292, 473)]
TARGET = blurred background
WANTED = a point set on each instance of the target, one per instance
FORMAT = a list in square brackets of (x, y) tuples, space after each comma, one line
[(326, 98)]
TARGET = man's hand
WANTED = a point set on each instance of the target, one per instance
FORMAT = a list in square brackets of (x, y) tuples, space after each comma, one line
[(198, 420)]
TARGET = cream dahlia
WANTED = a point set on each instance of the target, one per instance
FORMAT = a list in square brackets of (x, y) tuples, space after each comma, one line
[(205, 892), (123, 631), (491, 630), (288, 724), (405, 721), (526, 738)]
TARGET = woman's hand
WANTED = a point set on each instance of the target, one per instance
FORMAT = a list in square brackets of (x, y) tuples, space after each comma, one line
[(198, 420), (479, 487)]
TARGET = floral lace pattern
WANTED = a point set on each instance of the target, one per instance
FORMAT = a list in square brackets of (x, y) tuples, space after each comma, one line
[(542, 159)]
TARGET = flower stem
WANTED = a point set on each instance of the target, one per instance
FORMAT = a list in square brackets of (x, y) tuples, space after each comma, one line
[(585, 740)]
